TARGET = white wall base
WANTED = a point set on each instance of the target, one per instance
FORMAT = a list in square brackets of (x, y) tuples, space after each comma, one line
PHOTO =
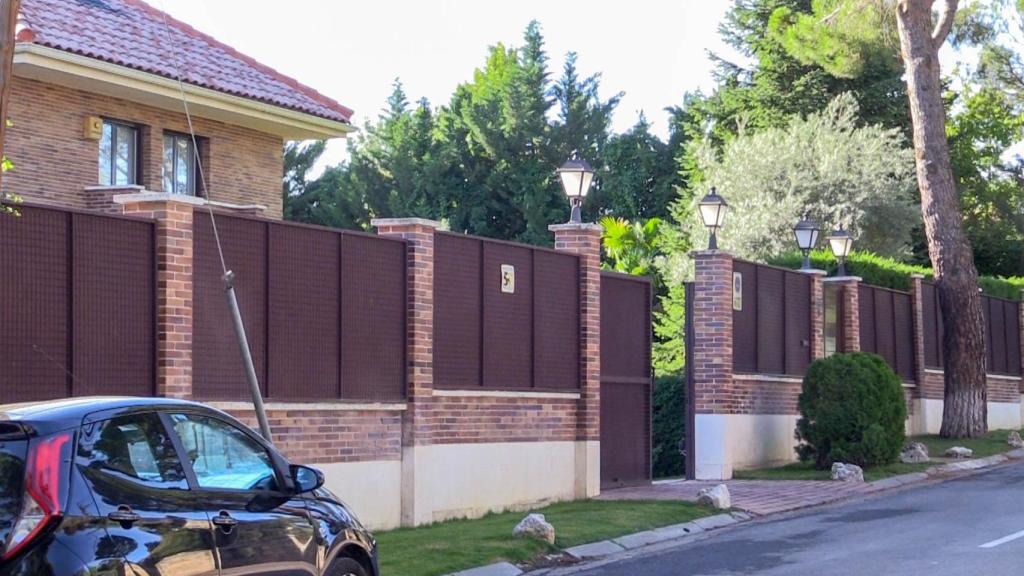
[(927, 418), (372, 489), (588, 469), (448, 481), (727, 442)]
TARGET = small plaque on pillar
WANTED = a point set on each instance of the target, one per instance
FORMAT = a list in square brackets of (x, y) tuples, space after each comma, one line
[(508, 279), (737, 291)]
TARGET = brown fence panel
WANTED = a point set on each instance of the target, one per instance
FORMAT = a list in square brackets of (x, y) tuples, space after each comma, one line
[(78, 315), (887, 329), (772, 327), (625, 311), (556, 320), (34, 319), (457, 311), (625, 434), (113, 292), (771, 320), (217, 371), (1002, 335), (744, 320), (507, 318), (373, 312), (932, 325), (302, 313)]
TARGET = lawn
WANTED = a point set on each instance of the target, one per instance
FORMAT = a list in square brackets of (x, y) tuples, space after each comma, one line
[(461, 544), (990, 445), (806, 471), (993, 443)]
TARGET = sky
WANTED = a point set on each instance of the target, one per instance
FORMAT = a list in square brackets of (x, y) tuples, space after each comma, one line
[(353, 50)]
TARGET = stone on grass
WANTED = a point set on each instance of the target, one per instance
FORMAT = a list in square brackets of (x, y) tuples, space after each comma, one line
[(958, 452), (914, 453), (535, 526), (716, 497), (1015, 440), (847, 472)]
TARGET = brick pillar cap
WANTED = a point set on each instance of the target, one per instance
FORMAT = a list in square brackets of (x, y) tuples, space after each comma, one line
[(576, 227), (813, 272), (378, 222), (167, 198), (917, 276), (844, 279), (709, 253)]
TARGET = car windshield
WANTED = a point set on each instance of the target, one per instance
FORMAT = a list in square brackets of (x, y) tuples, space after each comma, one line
[(12, 476)]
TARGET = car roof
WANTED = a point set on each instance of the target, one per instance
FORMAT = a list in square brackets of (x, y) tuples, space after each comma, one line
[(71, 411)]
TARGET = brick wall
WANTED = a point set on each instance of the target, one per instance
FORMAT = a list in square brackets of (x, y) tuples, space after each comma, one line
[(474, 419), (55, 163)]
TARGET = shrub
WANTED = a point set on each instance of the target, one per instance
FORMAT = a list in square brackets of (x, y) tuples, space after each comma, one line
[(668, 423), (852, 410), (889, 273)]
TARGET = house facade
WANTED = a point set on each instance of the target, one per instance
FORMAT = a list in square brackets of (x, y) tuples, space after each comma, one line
[(97, 111)]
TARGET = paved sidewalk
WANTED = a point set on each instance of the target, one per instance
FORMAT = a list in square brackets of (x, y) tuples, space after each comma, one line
[(755, 496)]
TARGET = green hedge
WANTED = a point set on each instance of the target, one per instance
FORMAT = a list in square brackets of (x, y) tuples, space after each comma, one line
[(668, 426), (888, 273), (852, 410)]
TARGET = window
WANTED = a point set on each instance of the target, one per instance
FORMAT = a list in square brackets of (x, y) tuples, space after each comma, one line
[(179, 171), (119, 145), (223, 456), (136, 446)]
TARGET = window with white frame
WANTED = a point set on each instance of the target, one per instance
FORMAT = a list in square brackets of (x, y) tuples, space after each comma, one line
[(179, 166), (119, 146)]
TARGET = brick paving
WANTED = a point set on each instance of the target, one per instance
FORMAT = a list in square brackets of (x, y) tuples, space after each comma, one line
[(758, 497)]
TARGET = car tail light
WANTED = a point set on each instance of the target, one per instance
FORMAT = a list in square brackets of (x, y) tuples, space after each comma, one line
[(41, 505)]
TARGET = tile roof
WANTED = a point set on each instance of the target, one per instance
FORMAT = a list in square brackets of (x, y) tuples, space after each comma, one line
[(131, 33)]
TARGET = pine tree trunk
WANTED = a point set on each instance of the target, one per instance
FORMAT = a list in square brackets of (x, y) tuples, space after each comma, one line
[(965, 413)]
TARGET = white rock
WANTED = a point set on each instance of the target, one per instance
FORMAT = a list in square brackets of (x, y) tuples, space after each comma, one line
[(847, 472), (535, 526), (716, 497), (1015, 440), (913, 453), (959, 452)]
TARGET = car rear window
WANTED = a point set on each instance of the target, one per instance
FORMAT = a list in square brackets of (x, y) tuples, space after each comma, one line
[(13, 447)]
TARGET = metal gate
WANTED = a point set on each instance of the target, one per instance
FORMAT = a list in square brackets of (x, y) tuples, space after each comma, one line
[(626, 380)]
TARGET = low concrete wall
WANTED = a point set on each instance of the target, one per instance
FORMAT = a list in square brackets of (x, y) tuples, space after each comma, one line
[(373, 490), (728, 442)]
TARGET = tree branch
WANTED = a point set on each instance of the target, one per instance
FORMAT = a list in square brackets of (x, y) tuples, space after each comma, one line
[(945, 23)]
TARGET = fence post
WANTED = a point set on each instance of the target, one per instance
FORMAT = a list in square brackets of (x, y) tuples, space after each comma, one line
[(817, 313), (419, 276), (173, 217), (713, 399), (850, 298), (585, 241)]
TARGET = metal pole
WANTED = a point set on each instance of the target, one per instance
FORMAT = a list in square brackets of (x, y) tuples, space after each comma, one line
[(243, 344)]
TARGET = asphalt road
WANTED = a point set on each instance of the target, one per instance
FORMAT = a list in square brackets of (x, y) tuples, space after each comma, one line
[(968, 526)]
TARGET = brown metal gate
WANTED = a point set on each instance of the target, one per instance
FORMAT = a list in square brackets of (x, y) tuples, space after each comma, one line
[(626, 380)]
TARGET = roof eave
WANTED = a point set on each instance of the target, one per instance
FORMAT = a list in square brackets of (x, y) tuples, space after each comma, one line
[(89, 74)]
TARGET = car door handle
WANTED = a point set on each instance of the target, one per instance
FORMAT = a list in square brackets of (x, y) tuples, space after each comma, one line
[(225, 521), (125, 516)]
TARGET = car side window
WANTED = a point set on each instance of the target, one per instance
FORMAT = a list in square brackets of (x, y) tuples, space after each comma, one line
[(136, 446), (222, 455)]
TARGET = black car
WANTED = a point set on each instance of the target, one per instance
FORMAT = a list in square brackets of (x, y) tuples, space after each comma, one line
[(152, 486)]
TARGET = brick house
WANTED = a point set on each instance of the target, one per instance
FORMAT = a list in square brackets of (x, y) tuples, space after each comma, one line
[(95, 86)]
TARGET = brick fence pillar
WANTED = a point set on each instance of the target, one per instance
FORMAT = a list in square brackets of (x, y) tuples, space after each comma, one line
[(174, 289), (817, 313), (849, 297), (585, 241), (714, 402), (419, 237)]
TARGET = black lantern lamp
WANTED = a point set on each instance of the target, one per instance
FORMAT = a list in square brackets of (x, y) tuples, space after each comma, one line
[(841, 243), (712, 211), (576, 176), (806, 232)]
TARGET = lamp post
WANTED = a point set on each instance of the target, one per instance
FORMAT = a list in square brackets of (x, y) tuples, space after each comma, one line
[(712, 211), (806, 232), (576, 177), (841, 242)]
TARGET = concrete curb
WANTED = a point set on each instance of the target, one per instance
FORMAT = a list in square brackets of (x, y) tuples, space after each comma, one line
[(499, 569), (648, 537)]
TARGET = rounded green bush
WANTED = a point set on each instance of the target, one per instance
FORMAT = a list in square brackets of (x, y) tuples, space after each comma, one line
[(852, 410)]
